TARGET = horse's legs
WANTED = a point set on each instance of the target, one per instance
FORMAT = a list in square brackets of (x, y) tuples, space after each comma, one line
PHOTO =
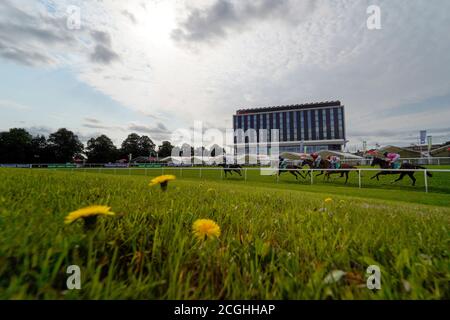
[(411, 175), (402, 175), (346, 176), (238, 171)]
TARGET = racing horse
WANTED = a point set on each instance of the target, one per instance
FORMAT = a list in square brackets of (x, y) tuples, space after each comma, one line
[(326, 164), (292, 169), (386, 165), (342, 171), (229, 168)]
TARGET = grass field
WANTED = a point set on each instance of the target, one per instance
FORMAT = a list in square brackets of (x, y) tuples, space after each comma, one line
[(278, 240)]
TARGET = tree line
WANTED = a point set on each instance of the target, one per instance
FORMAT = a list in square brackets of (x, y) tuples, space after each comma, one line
[(18, 146), (63, 146)]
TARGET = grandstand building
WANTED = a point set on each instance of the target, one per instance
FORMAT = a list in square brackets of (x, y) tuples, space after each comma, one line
[(302, 128)]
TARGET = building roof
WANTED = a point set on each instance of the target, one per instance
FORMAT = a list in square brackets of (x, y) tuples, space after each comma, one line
[(290, 107)]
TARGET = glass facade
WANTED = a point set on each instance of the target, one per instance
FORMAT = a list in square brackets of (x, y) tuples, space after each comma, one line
[(298, 125), (301, 129)]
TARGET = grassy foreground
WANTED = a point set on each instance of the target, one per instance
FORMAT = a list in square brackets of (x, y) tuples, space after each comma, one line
[(276, 243)]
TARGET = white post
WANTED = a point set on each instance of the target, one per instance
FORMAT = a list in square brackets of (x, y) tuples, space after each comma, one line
[(312, 175), (359, 178), (245, 174), (426, 180)]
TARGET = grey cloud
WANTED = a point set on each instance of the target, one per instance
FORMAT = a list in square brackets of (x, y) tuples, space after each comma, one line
[(102, 126), (103, 52), (101, 37), (130, 16), (103, 55), (35, 39), (23, 37), (216, 21), (158, 132), (92, 120)]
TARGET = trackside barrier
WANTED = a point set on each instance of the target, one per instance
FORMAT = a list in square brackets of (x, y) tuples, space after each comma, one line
[(245, 170)]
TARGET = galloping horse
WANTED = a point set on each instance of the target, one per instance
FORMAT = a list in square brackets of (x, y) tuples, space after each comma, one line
[(385, 165), (325, 164), (292, 169), (342, 172), (229, 168)]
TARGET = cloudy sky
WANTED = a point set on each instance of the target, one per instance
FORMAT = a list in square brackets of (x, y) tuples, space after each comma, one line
[(153, 66)]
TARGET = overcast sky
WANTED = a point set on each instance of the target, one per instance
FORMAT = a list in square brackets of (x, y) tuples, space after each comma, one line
[(155, 66)]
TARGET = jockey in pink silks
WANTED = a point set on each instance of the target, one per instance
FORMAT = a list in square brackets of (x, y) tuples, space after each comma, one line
[(392, 158)]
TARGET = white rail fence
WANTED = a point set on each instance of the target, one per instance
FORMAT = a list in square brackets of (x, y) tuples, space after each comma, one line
[(201, 170)]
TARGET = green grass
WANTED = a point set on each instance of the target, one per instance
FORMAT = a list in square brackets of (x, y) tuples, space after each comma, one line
[(278, 241)]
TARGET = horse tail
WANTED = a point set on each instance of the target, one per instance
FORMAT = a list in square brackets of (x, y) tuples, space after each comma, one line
[(429, 174)]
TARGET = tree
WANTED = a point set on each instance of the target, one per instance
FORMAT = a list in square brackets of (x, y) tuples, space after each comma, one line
[(64, 144), (101, 150), (130, 145), (146, 146), (137, 146), (40, 152), (165, 150), (15, 146)]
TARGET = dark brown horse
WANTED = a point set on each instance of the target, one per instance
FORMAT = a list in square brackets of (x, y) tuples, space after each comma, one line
[(341, 171), (386, 165), (292, 169), (326, 164)]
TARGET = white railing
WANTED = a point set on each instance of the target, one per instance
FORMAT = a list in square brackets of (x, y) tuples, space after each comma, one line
[(163, 170)]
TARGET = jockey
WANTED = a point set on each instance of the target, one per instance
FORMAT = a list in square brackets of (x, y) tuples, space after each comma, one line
[(283, 163), (392, 159), (335, 161), (317, 158)]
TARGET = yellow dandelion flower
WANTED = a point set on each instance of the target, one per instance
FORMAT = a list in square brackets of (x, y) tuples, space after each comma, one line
[(328, 200), (162, 181), (89, 215), (205, 228)]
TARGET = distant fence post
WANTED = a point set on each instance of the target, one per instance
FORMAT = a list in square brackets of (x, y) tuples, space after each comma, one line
[(426, 180), (359, 178), (312, 175), (245, 174)]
